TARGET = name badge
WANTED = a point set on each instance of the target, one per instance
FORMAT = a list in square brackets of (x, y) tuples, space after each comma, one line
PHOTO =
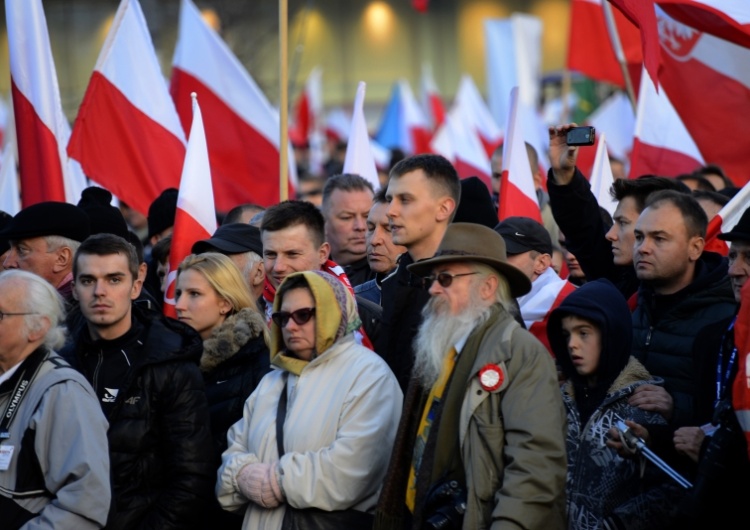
[(6, 453)]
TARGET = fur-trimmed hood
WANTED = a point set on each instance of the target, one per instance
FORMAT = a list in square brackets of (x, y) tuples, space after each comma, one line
[(226, 340)]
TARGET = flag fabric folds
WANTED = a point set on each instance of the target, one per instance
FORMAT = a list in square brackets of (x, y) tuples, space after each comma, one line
[(195, 218), (42, 131), (477, 115), (517, 192), (432, 103), (404, 125), (726, 219), (242, 129), (601, 177), (726, 19), (662, 145), (459, 142), (359, 158), (127, 135)]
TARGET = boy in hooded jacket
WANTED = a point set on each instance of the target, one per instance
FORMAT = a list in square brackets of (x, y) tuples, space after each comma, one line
[(590, 334)]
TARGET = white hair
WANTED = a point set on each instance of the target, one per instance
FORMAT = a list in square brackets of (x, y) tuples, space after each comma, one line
[(440, 330), (44, 303), (57, 242)]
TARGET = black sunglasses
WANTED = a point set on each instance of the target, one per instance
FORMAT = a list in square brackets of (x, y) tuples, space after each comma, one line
[(300, 316), (445, 279)]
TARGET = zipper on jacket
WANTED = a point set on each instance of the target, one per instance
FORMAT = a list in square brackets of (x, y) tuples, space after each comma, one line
[(99, 360), (648, 337)]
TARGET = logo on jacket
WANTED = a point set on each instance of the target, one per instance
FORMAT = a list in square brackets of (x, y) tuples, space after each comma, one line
[(110, 394)]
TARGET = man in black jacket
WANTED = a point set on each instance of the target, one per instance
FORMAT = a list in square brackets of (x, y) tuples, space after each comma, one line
[(423, 193), (143, 369)]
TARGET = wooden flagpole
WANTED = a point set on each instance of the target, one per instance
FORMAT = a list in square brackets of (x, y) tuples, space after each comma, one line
[(283, 103), (614, 36)]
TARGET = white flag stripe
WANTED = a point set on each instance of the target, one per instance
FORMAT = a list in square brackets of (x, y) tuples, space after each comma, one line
[(359, 158)]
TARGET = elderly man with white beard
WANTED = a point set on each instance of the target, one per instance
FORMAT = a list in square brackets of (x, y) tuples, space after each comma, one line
[(481, 443)]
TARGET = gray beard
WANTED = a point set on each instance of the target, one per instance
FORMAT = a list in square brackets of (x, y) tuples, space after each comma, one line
[(440, 331)]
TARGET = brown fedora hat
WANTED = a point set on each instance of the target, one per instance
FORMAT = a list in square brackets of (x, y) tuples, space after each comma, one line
[(475, 242)]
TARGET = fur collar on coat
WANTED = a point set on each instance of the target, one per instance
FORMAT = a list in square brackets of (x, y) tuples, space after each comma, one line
[(226, 340), (633, 372)]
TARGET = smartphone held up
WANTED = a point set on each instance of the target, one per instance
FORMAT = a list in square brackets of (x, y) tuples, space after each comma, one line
[(581, 136)]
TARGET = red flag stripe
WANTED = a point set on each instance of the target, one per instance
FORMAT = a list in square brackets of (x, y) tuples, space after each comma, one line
[(108, 137), (658, 160), (38, 154), (244, 164)]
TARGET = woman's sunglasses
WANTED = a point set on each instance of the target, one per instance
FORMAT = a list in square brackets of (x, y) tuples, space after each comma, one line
[(445, 279), (300, 316)]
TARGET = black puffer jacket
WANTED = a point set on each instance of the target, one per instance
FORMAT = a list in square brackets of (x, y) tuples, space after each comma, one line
[(665, 328), (161, 454), (235, 358)]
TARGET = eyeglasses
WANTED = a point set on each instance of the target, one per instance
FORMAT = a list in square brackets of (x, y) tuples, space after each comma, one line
[(3, 315), (300, 316), (445, 279)]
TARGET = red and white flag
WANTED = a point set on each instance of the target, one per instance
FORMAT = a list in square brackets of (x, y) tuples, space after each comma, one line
[(42, 131), (590, 49), (359, 158), (601, 177), (708, 82), (642, 14), (726, 19), (517, 191), (547, 292), (460, 143), (195, 217), (127, 135), (477, 115), (307, 127), (662, 145), (242, 129), (726, 219), (432, 102)]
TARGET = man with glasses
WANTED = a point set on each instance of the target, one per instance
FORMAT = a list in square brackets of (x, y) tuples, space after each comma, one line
[(482, 434), (54, 466)]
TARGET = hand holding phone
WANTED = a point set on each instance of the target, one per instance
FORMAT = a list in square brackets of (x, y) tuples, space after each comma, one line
[(581, 136)]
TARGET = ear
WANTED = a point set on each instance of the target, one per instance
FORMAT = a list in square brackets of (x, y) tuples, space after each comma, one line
[(446, 207), (259, 275), (695, 247), (323, 252), (542, 263), (135, 291), (225, 306), (142, 271), (75, 294), (488, 288), (63, 259), (38, 333)]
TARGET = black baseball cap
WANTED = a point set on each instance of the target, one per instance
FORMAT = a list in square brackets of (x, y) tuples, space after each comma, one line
[(522, 234), (233, 238)]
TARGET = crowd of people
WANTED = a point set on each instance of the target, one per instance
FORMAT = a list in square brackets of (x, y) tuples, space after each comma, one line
[(394, 358)]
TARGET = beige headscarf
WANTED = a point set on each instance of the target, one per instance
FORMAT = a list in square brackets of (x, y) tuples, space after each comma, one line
[(335, 316)]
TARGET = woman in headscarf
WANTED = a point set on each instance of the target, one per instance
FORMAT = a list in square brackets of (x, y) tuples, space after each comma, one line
[(343, 405)]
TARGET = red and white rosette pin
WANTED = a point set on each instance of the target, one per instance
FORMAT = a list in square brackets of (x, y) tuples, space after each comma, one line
[(491, 377)]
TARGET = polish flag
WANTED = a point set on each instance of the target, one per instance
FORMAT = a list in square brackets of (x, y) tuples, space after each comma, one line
[(726, 219), (459, 143), (195, 218), (590, 49), (513, 58), (404, 125), (338, 125), (308, 120), (10, 196), (42, 131), (127, 135), (477, 114), (242, 129), (432, 102), (547, 292), (708, 82), (601, 177), (517, 193), (727, 19), (359, 158), (662, 145)]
